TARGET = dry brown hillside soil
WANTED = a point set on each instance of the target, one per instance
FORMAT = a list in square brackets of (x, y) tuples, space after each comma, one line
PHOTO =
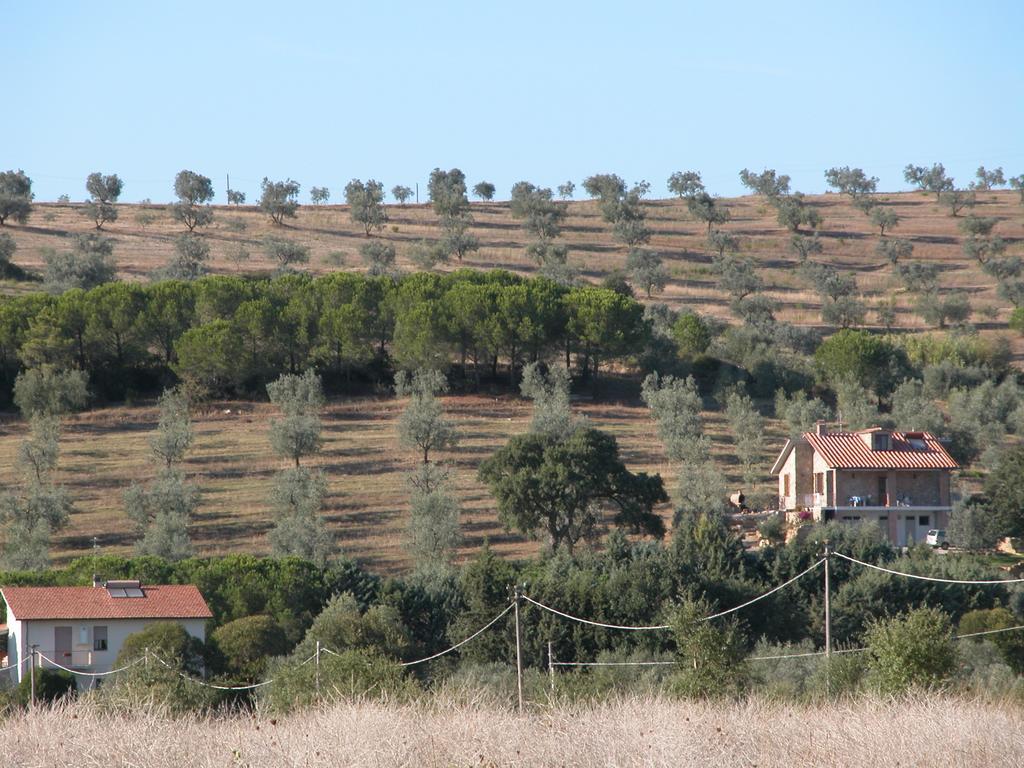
[(144, 237), (105, 450)]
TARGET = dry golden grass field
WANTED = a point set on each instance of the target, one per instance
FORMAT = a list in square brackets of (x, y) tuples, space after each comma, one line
[(106, 449), (624, 732)]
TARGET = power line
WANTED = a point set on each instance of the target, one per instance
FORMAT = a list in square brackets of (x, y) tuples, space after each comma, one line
[(629, 628), (929, 578)]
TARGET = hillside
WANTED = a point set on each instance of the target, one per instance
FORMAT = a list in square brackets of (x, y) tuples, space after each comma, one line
[(144, 237), (104, 450)]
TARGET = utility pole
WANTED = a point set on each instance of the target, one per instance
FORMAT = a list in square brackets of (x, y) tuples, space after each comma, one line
[(828, 604), (417, 193), (32, 676), (551, 666), (519, 651), (317, 670), (228, 188)]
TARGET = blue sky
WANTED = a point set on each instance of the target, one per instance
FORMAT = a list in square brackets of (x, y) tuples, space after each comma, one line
[(542, 91)]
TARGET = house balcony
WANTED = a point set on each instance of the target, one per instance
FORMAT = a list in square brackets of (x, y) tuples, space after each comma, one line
[(69, 659), (818, 502)]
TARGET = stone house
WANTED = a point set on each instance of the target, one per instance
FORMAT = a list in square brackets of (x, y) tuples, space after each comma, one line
[(900, 480)]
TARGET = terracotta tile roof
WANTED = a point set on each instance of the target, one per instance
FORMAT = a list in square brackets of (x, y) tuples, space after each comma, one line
[(848, 450), (179, 601)]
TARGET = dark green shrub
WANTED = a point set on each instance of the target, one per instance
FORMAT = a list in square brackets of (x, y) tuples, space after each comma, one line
[(246, 645), (912, 650), (51, 685)]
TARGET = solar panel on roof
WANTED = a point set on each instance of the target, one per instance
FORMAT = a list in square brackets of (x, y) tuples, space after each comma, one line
[(134, 593), (114, 592)]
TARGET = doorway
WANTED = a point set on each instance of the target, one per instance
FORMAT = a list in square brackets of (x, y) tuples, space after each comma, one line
[(883, 491), (909, 530), (62, 645)]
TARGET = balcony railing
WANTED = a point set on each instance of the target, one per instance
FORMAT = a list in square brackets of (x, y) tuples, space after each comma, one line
[(72, 659)]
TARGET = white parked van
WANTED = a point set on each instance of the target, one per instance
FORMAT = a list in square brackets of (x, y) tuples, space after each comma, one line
[(937, 538)]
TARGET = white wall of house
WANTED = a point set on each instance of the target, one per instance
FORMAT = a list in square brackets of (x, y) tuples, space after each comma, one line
[(23, 634)]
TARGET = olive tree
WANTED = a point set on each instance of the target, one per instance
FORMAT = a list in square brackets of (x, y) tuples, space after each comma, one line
[(720, 242), (366, 204), (319, 195), (552, 413), (1015, 182), (299, 398), (883, 218), (566, 190), (161, 513), (956, 200), (894, 248), (932, 179), (535, 206), (235, 197), (401, 193), (287, 253), (792, 211), (194, 191), (423, 425), (447, 190), (706, 208), (191, 253), (851, 181), (646, 270), (986, 179), (747, 427), (484, 190), (379, 258), (15, 196), (48, 391), (296, 501), (103, 194), (685, 184), (279, 199), (29, 514), (88, 264), (298, 492), (433, 530), (767, 183), (805, 247)]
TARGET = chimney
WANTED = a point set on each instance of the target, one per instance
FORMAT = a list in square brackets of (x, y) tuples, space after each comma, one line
[(97, 582), (820, 428)]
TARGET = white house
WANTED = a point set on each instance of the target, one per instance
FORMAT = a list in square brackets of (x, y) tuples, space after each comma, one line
[(83, 628)]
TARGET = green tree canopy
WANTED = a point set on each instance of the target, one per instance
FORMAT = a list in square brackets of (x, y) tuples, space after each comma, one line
[(15, 196), (103, 194), (685, 183), (366, 204), (279, 199), (559, 485), (193, 191)]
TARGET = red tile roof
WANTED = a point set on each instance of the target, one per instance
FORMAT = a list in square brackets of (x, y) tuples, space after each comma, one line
[(847, 450), (178, 601)]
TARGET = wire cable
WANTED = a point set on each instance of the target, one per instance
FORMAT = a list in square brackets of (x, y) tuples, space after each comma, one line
[(669, 626), (766, 594), (569, 616), (929, 578), (612, 663), (89, 674), (989, 632), (458, 645)]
